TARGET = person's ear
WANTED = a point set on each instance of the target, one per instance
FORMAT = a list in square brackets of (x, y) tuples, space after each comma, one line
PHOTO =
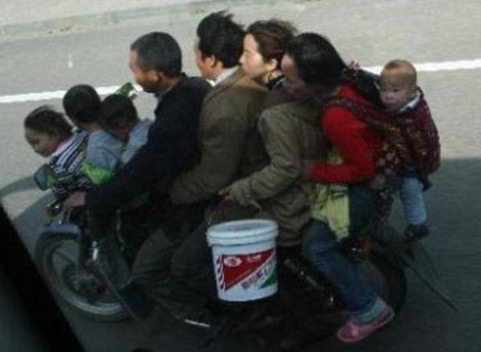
[(272, 65), (217, 65), (211, 61), (156, 76), (414, 91)]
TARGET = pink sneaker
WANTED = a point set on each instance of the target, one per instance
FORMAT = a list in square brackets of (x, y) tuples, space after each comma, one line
[(352, 331)]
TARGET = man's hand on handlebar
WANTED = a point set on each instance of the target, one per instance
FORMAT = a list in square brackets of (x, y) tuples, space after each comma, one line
[(76, 199)]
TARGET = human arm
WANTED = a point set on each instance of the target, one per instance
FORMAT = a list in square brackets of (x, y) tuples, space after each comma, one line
[(137, 138), (356, 143), (152, 162), (103, 151), (67, 178), (278, 131), (222, 146), (170, 148)]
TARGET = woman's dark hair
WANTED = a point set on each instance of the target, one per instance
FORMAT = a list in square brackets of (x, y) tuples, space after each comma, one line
[(45, 119), (117, 109), (158, 51), (82, 104), (221, 37), (272, 37), (318, 62)]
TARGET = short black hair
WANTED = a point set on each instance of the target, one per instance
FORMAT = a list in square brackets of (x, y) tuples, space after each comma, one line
[(272, 37), (117, 109), (159, 51), (45, 119), (221, 37), (82, 103)]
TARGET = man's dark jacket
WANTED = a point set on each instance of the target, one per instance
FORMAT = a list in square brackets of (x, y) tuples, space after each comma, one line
[(170, 149)]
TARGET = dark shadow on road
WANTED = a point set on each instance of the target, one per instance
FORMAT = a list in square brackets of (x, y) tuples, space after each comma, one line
[(22, 184), (425, 323)]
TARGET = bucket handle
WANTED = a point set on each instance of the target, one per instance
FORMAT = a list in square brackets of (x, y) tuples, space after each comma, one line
[(214, 208)]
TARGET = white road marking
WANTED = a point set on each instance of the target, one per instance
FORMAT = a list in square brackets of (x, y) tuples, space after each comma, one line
[(440, 66), (422, 67), (70, 61), (58, 94)]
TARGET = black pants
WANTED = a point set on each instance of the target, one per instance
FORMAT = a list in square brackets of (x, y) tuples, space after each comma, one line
[(173, 265)]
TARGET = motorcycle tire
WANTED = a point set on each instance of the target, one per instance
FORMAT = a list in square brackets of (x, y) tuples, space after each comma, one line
[(313, 322), (56, 258)]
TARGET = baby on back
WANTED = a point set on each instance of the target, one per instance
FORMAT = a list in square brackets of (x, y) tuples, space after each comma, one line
[(418, 146)]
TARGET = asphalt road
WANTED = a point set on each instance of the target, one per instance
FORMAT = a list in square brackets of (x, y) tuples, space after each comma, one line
[(372, 32)]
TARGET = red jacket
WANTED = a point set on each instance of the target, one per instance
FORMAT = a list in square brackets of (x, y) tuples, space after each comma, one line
[(358, 144)]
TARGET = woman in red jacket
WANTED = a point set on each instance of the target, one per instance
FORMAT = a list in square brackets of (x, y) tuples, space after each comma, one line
[(312, 64)]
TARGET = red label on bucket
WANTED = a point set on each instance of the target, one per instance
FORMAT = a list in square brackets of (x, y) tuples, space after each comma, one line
[(244, 267)]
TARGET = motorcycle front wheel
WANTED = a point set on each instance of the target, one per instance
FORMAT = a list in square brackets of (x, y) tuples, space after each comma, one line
[(56, 255)]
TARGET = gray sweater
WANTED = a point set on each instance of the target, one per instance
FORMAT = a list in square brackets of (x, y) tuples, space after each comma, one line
[(137, 138), (104, 150)]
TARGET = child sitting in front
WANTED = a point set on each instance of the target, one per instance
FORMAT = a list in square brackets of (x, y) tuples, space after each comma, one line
[(50, 135), (420, 149), (82, 105), (119, 117)]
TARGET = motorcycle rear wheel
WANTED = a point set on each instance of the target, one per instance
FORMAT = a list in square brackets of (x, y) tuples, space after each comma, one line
[(309, 320), (388, 281), (56, 257)]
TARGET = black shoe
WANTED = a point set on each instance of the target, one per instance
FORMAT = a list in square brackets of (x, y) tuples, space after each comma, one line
[(110, 262), (415, 232), (134, 297)]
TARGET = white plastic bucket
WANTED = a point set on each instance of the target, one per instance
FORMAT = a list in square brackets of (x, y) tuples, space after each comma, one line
[(244, 255)]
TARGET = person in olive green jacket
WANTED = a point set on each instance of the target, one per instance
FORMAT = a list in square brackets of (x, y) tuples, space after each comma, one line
[(290, 130), (291, 133)]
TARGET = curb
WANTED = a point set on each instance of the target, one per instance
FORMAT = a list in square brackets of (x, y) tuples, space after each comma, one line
[(162, 13)]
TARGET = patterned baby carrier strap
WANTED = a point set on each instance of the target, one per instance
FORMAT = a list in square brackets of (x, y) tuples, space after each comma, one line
[(393, 150), (388, 162), (411, 139)]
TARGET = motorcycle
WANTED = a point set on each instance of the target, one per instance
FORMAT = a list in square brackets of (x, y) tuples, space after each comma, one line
[(307, 296), (59, 258)]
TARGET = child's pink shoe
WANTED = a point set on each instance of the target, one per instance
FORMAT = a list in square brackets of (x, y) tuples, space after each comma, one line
[(352, 331)]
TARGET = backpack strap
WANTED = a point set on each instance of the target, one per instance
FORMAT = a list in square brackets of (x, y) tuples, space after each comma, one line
[(393, 148)]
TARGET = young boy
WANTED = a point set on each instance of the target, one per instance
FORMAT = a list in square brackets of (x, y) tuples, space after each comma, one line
[(420, 150), (119, 117), (82, 105)]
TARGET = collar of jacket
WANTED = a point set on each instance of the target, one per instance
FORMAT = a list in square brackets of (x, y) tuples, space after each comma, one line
[(307, 110), (228, 82), (161, 95)]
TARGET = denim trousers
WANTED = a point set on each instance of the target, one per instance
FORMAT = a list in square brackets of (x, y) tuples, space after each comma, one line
[(413, 201), (321, 248)]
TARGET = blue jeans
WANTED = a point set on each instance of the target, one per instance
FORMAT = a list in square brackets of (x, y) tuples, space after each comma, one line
[(321, 248), (413, 201)]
